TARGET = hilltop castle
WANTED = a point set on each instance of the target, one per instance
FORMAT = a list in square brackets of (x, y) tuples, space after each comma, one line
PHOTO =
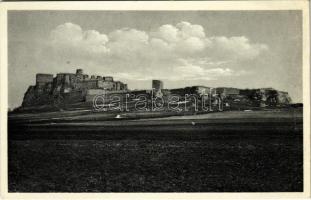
[(68, 87), (78, 90)]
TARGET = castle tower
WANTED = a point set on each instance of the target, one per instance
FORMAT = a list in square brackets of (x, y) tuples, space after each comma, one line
[(79, 75), (157, 84), (79, 71)]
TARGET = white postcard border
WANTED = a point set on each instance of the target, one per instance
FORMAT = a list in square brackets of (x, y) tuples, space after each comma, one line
[(154, 5)]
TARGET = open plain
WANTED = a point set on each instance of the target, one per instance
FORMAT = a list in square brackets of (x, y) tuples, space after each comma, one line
[(234, 151)]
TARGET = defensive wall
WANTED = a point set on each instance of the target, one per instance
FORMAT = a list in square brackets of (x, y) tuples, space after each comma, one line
[(76, 87)]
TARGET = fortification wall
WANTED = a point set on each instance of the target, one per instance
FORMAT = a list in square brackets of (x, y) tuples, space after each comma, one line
[(42, 79), (283, 98), (108, 78), (69, 88), (93, 93)]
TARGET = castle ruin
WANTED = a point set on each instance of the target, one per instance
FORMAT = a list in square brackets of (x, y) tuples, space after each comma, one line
[(68, 87), (72, 89)]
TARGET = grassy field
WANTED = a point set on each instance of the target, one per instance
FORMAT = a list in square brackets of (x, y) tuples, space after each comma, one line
[(222, 152), (217, 165)]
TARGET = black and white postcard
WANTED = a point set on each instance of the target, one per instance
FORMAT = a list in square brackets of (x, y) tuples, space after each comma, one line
[(149, 100)]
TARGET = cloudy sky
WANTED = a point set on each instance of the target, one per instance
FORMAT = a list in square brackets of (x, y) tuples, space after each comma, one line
[(245, 49)]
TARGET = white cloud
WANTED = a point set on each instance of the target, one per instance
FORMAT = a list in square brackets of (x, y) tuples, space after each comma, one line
[(181, 39), (172, 52), (190, 30), (191, 45), (168, 33), (183, 70), (72, 37), (235, 48), (127, 42), (190, 71), (67, 32)]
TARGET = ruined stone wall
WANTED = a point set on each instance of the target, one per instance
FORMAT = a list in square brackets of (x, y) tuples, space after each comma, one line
[(123, 86), (67, 88), (108, 78), (283, 98), (42, 79), (187, 91), (90, 84), (107, 85), (93, 93)]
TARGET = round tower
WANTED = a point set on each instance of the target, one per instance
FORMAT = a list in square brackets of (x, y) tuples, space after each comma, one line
[(79, 71), (157, 84)]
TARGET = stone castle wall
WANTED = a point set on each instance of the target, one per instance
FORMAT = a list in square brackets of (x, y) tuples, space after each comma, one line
[(50, 90), (70, 88), (42, 79)]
